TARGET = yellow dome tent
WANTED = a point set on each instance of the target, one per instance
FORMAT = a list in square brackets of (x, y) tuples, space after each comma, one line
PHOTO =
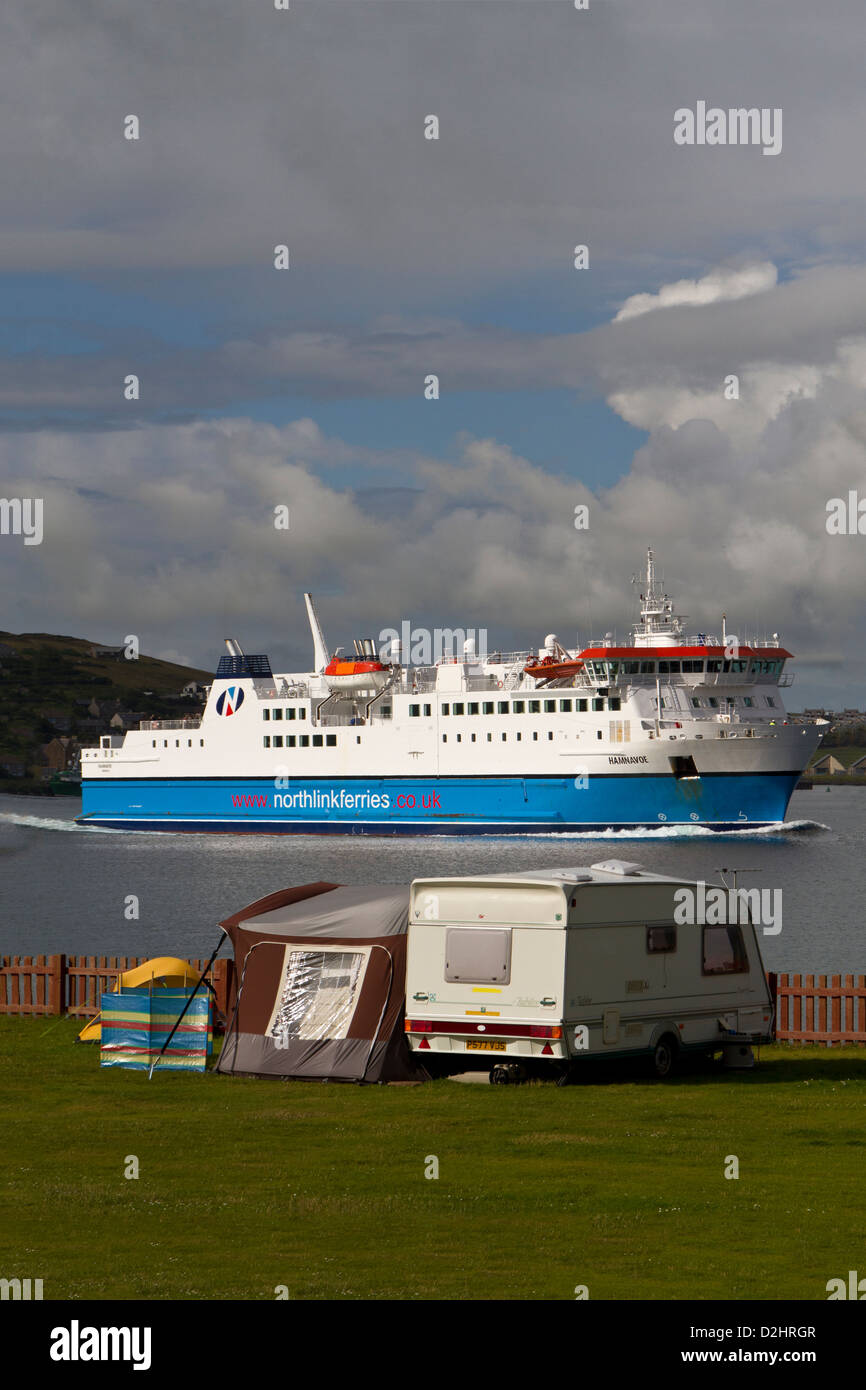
[(163, 972)]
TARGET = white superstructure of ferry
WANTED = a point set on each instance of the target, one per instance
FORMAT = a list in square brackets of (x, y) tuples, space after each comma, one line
[(670, 729)]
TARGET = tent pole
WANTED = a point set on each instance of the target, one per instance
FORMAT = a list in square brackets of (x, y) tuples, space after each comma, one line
[(179, 1020)]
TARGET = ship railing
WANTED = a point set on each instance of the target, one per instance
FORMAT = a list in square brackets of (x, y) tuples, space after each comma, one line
[(294, 690), (152, 724)]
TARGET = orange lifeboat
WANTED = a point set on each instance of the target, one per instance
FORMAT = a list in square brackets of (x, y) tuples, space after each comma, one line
[(364, 671), (551, 668)]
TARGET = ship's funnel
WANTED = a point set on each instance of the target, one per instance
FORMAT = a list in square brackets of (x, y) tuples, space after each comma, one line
[(232, 647)]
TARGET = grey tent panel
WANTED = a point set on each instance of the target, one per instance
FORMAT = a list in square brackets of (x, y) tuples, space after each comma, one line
[(375, 910)]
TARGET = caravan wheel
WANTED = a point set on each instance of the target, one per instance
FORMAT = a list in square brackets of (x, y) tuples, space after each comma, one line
[(664, 1056)]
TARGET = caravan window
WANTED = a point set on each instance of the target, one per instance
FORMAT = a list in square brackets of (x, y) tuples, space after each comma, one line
[(660, 940), (724, 951), (480, 957)]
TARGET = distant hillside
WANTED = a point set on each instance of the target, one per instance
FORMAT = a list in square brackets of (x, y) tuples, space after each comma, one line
[(57, 695)]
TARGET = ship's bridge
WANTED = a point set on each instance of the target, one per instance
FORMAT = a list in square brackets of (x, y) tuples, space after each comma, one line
[(693, 663)]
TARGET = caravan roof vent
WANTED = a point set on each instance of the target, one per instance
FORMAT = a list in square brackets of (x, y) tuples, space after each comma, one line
[(618, 866), (573, 875)]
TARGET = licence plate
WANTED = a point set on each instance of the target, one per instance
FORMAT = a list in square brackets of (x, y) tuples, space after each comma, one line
[(484, 1045)]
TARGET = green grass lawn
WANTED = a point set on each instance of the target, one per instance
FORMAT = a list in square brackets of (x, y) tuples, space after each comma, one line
[(616, 1183)]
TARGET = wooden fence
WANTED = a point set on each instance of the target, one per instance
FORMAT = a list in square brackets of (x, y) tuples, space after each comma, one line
[(820, 1008), (73, 984), (809, 1008)]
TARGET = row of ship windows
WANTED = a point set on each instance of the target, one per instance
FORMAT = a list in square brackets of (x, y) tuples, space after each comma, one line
[(713, 703), (330, 740), (177, 743), (277, 714), (300, 741), (608, 670), (522, 706)]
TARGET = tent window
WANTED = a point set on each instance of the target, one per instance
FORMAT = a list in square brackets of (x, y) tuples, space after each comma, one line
[(319, 994)]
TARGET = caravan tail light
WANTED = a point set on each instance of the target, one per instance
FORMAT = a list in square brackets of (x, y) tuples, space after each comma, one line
[(490, 1027)]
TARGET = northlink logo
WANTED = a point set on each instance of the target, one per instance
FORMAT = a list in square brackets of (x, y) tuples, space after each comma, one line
[(230, 701)]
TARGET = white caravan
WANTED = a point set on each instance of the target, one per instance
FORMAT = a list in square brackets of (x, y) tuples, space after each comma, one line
[(538, 971)]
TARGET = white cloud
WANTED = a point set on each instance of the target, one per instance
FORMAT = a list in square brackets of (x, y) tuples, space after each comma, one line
[(723, 283)]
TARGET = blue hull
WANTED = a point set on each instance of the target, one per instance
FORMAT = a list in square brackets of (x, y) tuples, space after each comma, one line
[(438, 806)]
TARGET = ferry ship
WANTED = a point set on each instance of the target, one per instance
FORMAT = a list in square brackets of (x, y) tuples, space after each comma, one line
[(670, 730)]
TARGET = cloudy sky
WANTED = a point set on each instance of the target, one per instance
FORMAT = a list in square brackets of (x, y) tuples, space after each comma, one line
[(603, 386)]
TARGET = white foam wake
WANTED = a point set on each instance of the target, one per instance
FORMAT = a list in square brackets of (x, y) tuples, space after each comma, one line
[(50, 823), (685, 832)]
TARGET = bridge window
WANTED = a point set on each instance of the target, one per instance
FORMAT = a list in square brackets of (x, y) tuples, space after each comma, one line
[(630, 668), (669, 668), (748, 701), (647, 668), (694, 667), (714, 704), (771, 702), (713, 667)]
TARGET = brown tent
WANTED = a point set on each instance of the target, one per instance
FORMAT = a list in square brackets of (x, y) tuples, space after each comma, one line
[(320, 992)]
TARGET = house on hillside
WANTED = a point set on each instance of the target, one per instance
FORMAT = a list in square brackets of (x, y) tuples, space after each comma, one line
[(841, 761), (55, 755)]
